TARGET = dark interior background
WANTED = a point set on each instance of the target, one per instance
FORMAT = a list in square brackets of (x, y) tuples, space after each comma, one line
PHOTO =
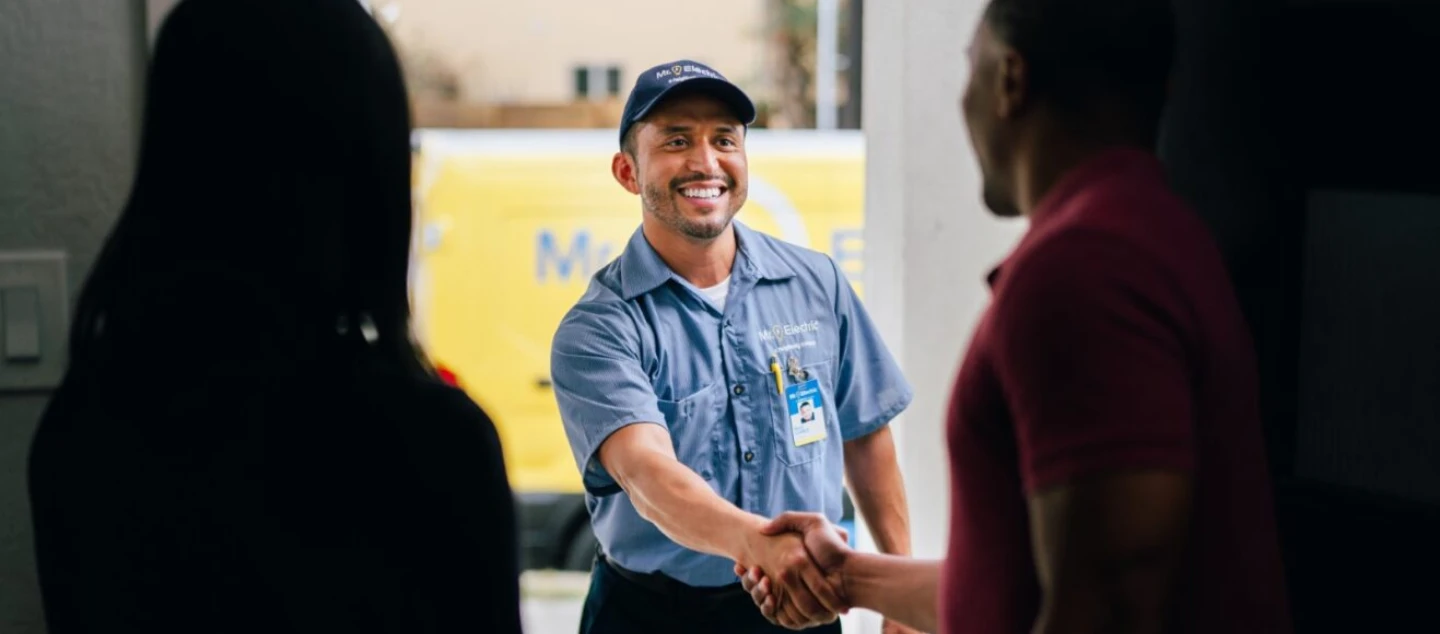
[(1306, 134)]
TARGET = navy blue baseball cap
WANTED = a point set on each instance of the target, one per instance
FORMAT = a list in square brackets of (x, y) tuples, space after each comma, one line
[(654, 84)]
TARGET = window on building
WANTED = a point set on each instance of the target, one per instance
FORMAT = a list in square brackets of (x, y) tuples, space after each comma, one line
[(612, 81), (597, 82), (582, 82)]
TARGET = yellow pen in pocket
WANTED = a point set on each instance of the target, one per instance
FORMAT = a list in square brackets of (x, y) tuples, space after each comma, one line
[(779, 379)]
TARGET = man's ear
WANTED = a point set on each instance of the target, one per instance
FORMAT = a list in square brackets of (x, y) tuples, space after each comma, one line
[(624, 169), (1012, 84)]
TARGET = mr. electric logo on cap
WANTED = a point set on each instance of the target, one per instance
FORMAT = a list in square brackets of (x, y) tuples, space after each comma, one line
[(681, 72), (652, 86)]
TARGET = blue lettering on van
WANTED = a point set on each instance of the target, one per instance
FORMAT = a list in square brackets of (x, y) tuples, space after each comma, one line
[(847, 247), (578, 262)]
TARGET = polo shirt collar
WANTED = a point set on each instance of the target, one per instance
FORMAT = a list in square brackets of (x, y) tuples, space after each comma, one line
[(642, 270), (1120, 160)]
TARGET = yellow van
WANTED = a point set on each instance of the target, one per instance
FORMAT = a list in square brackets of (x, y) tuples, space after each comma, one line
[(511, 226)]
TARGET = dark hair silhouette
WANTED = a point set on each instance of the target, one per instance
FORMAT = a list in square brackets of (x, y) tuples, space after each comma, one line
[(247, 439), (272, 199), (1078, 52)]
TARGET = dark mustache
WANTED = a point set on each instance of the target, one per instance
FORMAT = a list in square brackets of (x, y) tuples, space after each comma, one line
[(681, 181)]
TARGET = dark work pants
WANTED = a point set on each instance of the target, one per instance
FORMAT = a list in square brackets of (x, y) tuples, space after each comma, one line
[(660, 605)]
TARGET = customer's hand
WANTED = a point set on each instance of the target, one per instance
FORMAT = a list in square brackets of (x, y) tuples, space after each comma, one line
[(799, 593), (892, 627), (825, 546)]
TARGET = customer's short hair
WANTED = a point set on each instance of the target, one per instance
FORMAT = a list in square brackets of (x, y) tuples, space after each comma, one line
[(1079, 52)]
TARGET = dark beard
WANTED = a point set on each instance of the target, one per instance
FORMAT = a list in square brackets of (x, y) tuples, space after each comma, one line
[(661, 203)]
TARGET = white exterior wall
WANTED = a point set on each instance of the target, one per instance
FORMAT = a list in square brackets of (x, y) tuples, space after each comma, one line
[(929, 240)]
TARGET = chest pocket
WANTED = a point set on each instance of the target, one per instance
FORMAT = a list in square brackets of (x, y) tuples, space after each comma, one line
[(781, 425), (692, 421)]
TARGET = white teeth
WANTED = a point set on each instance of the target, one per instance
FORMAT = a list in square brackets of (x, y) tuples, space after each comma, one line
[(701, 192)]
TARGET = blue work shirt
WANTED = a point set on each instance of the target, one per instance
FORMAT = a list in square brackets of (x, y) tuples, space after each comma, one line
[(642, 345)]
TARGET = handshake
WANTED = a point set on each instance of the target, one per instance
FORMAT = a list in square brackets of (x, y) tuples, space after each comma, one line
[(794, 569)]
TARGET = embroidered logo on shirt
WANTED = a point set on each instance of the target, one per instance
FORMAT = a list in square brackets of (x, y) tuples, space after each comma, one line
[(781, 331)]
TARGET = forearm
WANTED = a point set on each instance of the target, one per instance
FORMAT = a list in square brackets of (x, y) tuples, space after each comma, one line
[(902, 589), (1128, 601), (878, 489), (1108, 551), (680, 503)]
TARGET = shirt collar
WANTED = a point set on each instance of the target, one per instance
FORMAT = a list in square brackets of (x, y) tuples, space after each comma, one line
[(642, 270), (1120, 160)]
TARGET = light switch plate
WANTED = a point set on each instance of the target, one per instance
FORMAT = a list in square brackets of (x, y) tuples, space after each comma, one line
[(34, 320)]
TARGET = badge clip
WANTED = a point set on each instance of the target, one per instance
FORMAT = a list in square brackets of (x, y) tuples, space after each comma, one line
[(796, 372)]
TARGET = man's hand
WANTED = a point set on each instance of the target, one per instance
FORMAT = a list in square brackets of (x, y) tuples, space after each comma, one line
[(802, 595), (824, 545)]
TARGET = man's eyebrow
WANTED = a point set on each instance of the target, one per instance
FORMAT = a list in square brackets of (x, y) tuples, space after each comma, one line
[(676, 128)]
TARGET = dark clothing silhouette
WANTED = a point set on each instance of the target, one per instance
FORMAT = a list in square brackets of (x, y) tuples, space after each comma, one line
[(246, 438), (272, 501)]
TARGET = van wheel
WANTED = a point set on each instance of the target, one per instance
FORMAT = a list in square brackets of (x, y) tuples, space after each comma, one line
[(580, 553)]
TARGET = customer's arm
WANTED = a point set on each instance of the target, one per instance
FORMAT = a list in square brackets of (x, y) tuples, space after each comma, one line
[(1106, 551), (902, 589)]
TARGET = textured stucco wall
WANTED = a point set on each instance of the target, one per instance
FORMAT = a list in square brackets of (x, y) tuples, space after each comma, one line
[(70, 78)]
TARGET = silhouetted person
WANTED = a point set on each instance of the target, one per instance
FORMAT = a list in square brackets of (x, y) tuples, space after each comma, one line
[(247, 438), (1104, 441)]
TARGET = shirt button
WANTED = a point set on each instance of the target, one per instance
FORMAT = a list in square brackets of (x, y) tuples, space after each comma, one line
[(739, 389), (749, 456)]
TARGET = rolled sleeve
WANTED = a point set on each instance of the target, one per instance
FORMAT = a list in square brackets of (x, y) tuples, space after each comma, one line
[(870, 389), (1090, 349), (600, 385)]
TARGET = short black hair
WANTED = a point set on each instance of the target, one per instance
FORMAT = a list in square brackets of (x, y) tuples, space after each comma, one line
[(1080, 53), (627, 144)]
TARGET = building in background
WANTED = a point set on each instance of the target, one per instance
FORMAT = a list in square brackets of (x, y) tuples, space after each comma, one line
[(477, 63)]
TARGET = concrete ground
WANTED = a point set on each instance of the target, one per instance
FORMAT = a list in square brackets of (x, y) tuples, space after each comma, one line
[(552, 603)]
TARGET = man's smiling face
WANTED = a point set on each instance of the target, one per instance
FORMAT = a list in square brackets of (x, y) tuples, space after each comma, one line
[(689, 165)]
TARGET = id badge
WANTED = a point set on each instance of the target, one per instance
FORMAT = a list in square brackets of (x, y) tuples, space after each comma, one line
[(807, 412)]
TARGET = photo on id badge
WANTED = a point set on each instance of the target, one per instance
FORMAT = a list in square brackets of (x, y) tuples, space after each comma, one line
[(807, 412)]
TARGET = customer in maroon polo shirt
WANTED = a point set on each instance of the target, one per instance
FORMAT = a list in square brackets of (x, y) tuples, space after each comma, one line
[(1107, 467)]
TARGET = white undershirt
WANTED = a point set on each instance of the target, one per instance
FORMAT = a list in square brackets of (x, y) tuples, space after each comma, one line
[(716, 294)]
